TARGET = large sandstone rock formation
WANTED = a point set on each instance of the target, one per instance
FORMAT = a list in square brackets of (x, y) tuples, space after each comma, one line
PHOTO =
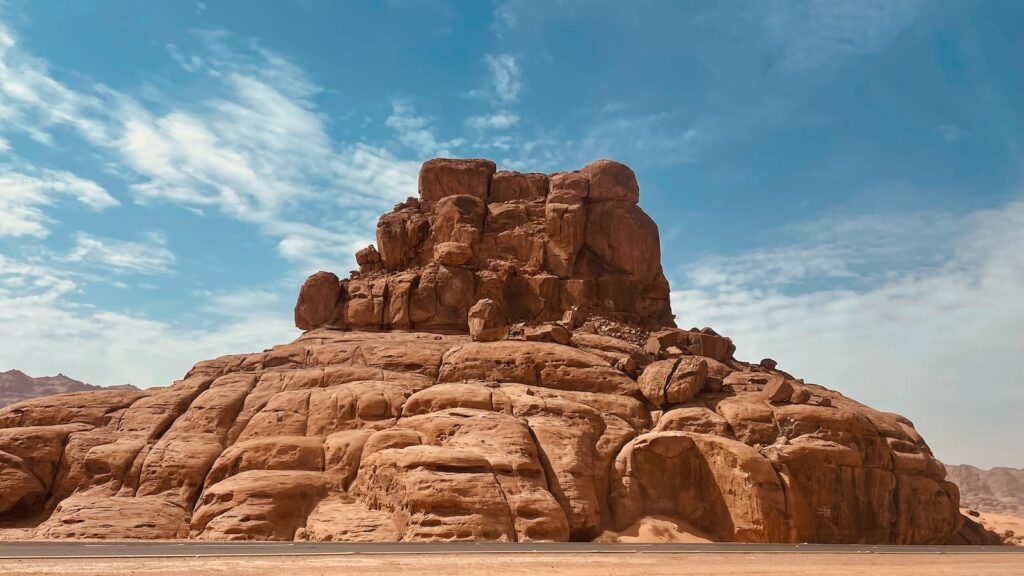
[(576, 407)]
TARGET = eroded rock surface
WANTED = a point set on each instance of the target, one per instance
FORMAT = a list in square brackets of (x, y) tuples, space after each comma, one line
[(387, 421)]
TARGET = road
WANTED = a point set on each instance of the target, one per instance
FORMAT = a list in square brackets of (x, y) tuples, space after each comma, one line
[(143, 549)]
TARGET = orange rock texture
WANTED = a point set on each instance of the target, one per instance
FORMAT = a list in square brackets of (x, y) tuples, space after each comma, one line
[(503, 366)]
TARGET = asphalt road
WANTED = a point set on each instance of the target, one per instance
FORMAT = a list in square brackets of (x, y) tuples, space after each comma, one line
[(141, 549)]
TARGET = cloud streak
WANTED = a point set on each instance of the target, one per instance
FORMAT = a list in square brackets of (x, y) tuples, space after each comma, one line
[(816, 33), (256, 149), (149, 257), (506, 78), (23, 198), (935, 341)]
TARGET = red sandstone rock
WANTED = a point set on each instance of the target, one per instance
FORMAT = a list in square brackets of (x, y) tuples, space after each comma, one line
[(317, 300), (403, 428), (507, 186), (611, 180), (536, 246), (487, 321), (442, 177), (673, 381), (778, 390)]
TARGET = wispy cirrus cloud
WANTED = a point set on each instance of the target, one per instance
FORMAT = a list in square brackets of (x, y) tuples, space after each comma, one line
[(506, 77), (256, 148), (501, 120), (149, 256), (24, 196), (417, 132), (110, 347), (925, 319), (815, 33)]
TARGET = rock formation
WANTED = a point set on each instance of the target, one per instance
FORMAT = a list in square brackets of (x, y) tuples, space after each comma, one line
[(999, 490), (534, 245), (575, 407), (16, 386)]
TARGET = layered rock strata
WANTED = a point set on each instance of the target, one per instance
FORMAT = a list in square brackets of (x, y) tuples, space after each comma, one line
[(536, 245), (575, 407)]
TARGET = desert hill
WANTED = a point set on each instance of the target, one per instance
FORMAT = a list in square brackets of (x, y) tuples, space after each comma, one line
[(16, 386), (999, 490), (505, 365)]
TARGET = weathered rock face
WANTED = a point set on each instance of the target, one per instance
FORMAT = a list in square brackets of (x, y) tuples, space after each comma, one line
[(535, 245), (387, 421)]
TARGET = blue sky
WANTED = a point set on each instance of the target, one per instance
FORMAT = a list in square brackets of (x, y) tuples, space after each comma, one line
[(837, 184)]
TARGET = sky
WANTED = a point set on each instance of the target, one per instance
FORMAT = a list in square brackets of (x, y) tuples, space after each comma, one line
[(838, 184)]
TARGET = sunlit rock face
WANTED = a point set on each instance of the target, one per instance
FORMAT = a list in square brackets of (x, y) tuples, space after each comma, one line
[(504, 366)]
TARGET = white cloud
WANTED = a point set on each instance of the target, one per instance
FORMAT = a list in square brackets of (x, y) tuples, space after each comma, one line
[(640, 140), (149, 257), (257, 149), (504, 18), (23, 198), (858, 249), (105, 347), (815, 33), (501, 120), (188, 63), (644, 140), (505, 77), (935, 343), (244, 303), (416, 131)]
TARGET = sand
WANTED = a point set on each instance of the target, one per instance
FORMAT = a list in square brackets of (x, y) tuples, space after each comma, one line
[(656, 530), (710, 564), (1001, 523)]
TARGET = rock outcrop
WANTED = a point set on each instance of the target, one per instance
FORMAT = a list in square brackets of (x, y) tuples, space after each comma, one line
[(999, 490), (576, 407), (16, 386), (534, 245)]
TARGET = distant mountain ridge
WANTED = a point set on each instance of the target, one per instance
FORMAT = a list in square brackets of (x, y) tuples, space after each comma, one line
[(16, 386), (999, 490)]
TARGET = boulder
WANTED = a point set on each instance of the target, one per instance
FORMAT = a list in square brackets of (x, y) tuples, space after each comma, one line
[(779, 390), (611, 180), (368, 259), (673, 381), (443, 177), (624, 238), (318, 299), (506, 186), (548, 333), (487, 321), (400, 235), (569, 188)]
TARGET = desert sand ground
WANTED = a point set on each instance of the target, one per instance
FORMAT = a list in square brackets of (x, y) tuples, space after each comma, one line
[(1001, 523), (535, 564)]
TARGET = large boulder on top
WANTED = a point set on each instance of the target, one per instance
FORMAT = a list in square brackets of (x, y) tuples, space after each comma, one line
[(443, 177), (611, 180), (318, 298)]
